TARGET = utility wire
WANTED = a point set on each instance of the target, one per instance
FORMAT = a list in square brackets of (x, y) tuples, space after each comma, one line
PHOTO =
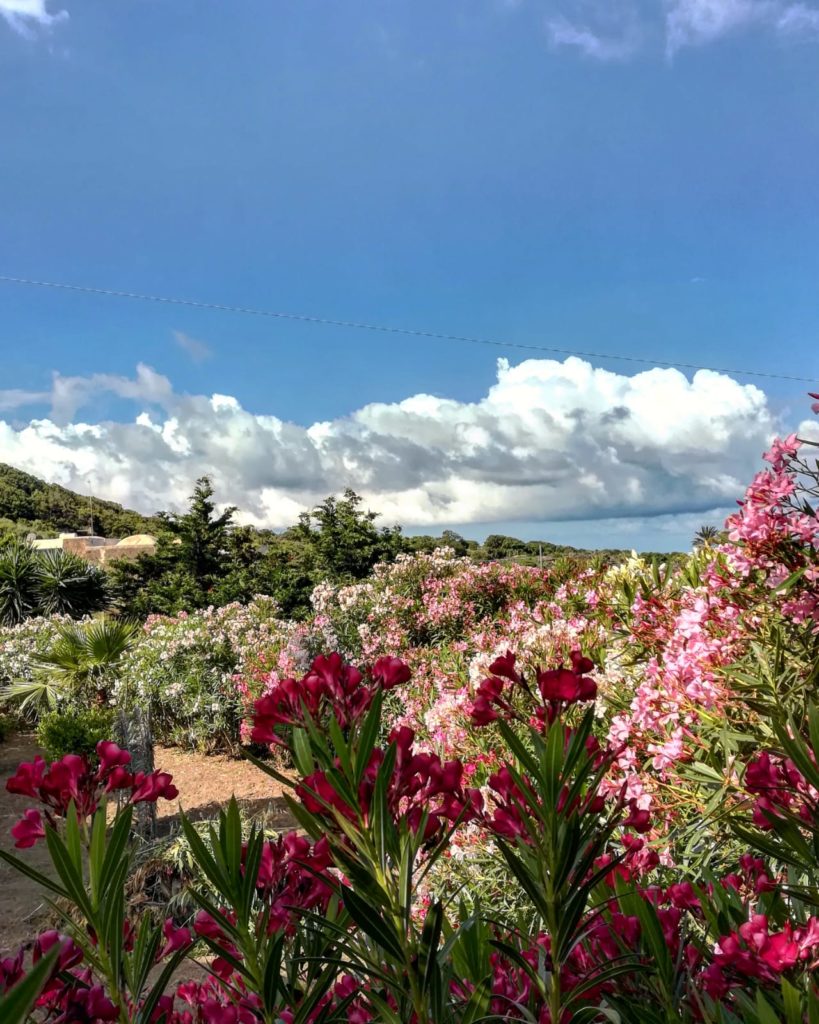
[(386, 329)]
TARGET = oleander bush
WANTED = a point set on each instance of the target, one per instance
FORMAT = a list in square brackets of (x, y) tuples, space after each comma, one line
[(521, 795), (337, 922)]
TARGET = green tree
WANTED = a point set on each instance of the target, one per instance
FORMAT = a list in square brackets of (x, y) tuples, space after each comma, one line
[(202, 535), (451, 539), (191, 559), (342, 540), (497, 545)]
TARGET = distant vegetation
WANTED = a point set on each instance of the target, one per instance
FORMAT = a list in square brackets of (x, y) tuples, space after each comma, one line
[(203, 558), (30, 505)]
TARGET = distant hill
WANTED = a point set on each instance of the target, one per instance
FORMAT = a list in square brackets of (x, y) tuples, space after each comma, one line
[(30, 505)]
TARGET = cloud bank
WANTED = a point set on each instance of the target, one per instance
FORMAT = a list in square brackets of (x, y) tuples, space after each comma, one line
[(550, 440)]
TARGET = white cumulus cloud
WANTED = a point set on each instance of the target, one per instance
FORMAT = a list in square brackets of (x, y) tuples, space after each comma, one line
[(549, 441), (25, 15)]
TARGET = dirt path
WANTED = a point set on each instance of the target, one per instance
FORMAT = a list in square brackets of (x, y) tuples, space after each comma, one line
[(205, 784)]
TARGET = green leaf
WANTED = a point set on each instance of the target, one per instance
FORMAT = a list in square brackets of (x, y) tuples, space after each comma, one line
[(317, 992), (253, 858), (159, 987), (385, 1012), (72, 838), (36, 876), (143, 957), (381, 822), (373, 924), (430, 941), (628, 966), (341, 746), (651, 933), (765, 1012), (368, 737), (96, 856), (113, 919), (268, 769), (272, 974), (527, 879), (791, 1002), (551, 763), (117, 846), (479, 1002), (204, 859), (69, 876), (788, 584), (302, 753), (513, 741)]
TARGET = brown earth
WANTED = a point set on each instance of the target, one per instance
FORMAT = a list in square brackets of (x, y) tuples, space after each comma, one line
[(205, 784)]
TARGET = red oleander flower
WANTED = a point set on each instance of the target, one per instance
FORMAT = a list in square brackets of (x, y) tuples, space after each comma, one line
[(504, 666), (11, 971), (175, 939), (28, 830), (152, 787), (390, 672), (557, 688), (71, 780), (330, 687), (639, 820), (69, 956)]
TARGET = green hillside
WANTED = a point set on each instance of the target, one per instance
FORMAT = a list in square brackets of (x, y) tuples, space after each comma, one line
[(30, 505)]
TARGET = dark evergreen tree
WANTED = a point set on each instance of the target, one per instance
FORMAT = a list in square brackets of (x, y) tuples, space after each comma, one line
[(202, 535), (343, 541)]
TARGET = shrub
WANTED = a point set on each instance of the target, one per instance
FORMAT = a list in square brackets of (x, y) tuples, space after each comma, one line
[(36, 583), (184, 667), (74, 732), (338, 923)]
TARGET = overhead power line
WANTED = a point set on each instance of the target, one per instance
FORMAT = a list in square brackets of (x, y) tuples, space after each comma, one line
[(387, 329)]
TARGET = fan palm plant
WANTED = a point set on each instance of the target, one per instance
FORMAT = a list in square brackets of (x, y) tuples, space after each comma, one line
[(82, 662), (705, 536)]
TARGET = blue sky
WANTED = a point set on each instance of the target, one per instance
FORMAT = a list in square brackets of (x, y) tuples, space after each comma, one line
[(614, 176)]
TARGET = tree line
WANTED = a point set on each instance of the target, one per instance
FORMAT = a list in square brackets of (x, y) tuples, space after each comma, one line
[(203, 557)]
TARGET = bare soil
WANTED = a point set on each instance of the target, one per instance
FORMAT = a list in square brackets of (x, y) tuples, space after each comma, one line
[(205, 783)]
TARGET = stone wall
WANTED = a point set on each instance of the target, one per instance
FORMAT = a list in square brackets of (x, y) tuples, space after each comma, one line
[(103, 550)]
